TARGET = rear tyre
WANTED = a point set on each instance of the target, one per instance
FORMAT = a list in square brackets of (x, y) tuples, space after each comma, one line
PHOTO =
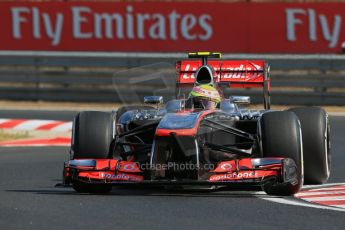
[(280, 135), (316, 144), (92, 136)]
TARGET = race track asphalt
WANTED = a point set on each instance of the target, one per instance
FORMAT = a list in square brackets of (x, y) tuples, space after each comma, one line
[(29, 200)]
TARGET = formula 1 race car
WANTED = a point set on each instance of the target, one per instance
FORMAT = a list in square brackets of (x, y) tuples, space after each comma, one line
[(188, 143)]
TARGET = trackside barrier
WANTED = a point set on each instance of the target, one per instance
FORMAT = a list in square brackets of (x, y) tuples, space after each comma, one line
[(127, 77)]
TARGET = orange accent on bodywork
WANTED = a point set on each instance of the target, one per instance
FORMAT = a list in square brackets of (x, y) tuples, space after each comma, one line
[(243, 175), (107, 170), (245, 163), (111, 165), (184, 132), (178, 132), (238, 73), (225, 166), (110, 176), (103, 164)]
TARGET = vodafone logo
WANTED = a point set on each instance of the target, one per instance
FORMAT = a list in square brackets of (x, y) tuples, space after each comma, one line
[(123, 177), (234, 176)]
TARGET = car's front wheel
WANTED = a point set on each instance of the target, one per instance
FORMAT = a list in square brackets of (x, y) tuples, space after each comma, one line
[(92, 137), (280, 135)]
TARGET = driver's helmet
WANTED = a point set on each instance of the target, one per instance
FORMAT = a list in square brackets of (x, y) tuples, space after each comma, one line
[(206, 96)]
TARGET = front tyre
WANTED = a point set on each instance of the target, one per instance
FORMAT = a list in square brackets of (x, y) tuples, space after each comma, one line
[(92, 136), (280, 136)]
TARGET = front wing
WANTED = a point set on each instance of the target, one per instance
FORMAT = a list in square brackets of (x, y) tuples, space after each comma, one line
[(247, 171)]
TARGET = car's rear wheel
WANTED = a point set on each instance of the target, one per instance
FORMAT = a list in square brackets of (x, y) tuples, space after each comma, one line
[(280, 135), (92, 137), (316, 144)]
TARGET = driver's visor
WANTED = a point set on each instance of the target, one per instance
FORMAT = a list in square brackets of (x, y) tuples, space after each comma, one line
[(207, 104)]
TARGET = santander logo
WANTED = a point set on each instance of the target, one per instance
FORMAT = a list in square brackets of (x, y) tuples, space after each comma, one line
[(229, 70)]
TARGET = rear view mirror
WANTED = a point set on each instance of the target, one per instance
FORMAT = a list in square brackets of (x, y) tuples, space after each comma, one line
[(156, 100), (174, 106), (240, 99)]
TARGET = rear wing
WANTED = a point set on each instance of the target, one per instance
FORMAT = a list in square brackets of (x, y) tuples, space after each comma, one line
[(230, 73)]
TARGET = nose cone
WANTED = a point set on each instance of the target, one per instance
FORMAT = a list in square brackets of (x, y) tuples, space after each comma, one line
[(204, 75)]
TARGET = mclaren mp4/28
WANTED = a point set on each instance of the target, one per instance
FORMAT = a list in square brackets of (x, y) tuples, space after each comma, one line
[(187, 143)]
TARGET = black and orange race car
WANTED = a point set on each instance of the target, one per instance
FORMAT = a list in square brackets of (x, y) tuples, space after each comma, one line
[(183, 143)]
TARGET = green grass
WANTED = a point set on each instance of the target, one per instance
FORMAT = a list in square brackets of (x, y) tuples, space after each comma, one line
[(13, 135)]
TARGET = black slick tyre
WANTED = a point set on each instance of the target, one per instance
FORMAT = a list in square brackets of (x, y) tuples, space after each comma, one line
[(280, 135), (92, 136), (316, 144)]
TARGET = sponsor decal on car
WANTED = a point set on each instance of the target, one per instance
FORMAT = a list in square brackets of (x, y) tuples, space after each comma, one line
[(234, 176), (123, 177), (226, 166), (129, 167), (225, 71)]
